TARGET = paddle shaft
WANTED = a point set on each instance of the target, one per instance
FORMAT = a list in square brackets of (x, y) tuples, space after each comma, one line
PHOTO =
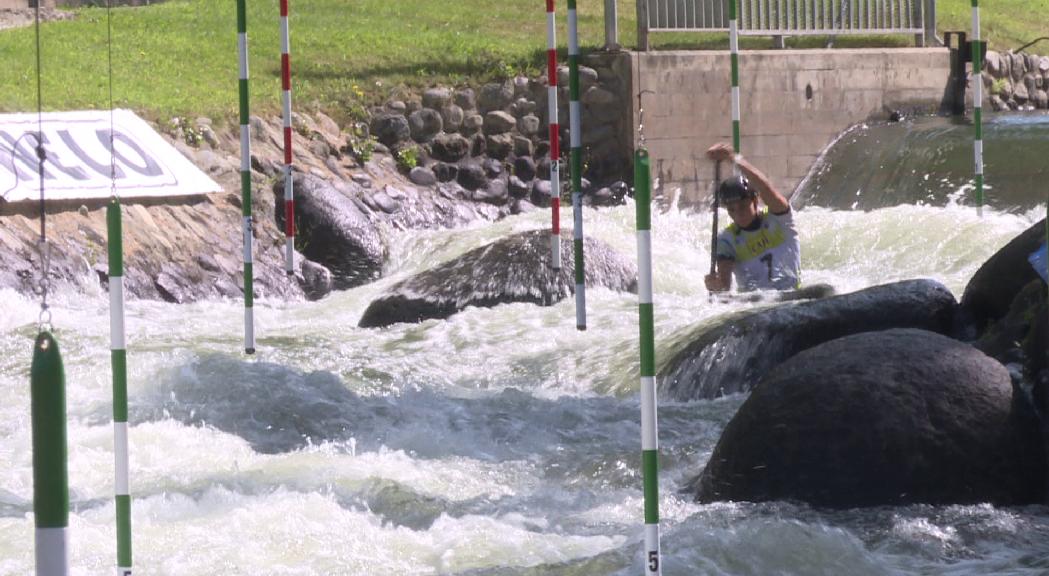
[(714, 226)]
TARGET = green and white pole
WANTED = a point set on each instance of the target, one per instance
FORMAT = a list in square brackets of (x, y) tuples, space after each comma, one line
[(649, 426), (733, 41), (50, 472), (977, 54), (576, 159), (118, 358), (245, 178)]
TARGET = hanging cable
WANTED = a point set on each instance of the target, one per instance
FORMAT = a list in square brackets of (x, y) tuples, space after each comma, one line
[(41, 155)]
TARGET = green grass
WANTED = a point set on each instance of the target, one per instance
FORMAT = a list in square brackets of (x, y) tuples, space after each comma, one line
[(179, 58)]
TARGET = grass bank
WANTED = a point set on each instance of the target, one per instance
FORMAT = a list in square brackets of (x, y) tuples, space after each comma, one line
[(179, 58)]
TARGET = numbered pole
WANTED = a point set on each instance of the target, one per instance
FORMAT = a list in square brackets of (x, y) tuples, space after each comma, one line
[(977, 82), (245, 177), (733, 39), (50, 473), (118, 360), (576, 136), (289, 187), (649, 425), (555, 146)]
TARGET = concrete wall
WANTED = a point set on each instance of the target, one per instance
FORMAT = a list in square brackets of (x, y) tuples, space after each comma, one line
[(783, 130)]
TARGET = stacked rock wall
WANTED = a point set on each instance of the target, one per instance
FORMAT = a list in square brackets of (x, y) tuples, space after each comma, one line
[(1016, 81)]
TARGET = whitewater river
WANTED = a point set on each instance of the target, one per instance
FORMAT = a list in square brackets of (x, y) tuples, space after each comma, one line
[(498, 441)]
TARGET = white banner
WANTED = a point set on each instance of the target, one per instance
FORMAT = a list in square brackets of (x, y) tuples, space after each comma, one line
[(78, 159)]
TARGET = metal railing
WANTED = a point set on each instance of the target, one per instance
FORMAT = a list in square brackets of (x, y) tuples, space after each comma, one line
[(780, 18)]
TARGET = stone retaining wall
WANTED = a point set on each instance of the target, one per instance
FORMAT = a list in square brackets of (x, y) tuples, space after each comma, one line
[(1016, 81)]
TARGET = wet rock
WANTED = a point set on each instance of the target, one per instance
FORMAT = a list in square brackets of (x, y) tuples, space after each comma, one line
[(512, 269), (334, 231), (496, 193), (316, 280), (730, 354), (881, 419), (996, 284), (471, 176), (524, 168), (445, 172), (540, 194), (518, 188)]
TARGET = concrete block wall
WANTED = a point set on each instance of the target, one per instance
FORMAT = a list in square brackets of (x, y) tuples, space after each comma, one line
[(793, 103)]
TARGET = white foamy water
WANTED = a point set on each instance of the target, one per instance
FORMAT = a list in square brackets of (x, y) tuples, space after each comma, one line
[(498, 441)]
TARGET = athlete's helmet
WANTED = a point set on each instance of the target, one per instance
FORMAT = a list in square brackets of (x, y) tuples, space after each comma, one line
[(735, 188)]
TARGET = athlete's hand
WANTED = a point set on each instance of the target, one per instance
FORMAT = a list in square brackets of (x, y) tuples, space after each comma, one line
[(713, 283), (721, 152)]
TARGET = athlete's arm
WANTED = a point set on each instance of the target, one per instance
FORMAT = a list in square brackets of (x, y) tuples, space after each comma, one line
[(772, 197)]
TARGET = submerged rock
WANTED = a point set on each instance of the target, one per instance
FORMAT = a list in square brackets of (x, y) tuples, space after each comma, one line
[(512, 269), (881, 418), (731, 355)]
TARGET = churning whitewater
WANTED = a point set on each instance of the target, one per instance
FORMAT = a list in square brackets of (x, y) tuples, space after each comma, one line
[(498, 441)]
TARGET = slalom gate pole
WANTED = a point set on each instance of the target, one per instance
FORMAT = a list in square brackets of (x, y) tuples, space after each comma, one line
[(977, 82), (555, 146), (245, 177), (576, 166), (118, 360), (649, 425), (117, 339), (733, 39), (289, 186)]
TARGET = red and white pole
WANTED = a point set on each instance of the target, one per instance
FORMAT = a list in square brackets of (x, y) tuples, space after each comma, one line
[(555, 146), (289, 191)]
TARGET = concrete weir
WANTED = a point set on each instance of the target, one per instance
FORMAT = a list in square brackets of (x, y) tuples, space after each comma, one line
[(794, 102)]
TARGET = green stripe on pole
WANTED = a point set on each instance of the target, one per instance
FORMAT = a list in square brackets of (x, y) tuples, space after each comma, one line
[(650, 469), (735, 136), (978, 120), (124, 530), (119, 362), (648, 352), (249, 288), (734, 58), (573, 77), (50, 473), (642, 193), (243, 89), (115, 228), (245, 188), (577, 248), (732, 10)]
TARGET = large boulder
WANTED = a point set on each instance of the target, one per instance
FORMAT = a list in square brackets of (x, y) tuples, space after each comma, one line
[(995, 285), (731, 354), (334, 231), (882, 418), (391, 129), (512, 269)]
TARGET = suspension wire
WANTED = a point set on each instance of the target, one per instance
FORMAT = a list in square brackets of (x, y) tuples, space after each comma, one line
[(112, 122), (41, 154)]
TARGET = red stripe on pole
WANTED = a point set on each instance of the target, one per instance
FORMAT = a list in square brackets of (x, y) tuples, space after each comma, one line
[(555, 142), (289, 218), (549, 5), (551, 66), (285, 71), (555, 207), (284, 8), (287, 145)]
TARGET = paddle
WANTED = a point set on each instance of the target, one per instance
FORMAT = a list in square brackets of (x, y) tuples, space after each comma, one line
[(714, 228)]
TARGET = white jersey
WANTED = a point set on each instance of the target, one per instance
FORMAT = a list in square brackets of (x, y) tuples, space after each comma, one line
[(767, 257)]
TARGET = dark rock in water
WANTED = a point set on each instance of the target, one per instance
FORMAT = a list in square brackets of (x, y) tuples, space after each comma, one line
[(1020, 336), (334, 231), (422, 176), (733, 354), (524, 168), (513, 269), (518, 188), (882, 418), (316, 280), (996, 284)]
